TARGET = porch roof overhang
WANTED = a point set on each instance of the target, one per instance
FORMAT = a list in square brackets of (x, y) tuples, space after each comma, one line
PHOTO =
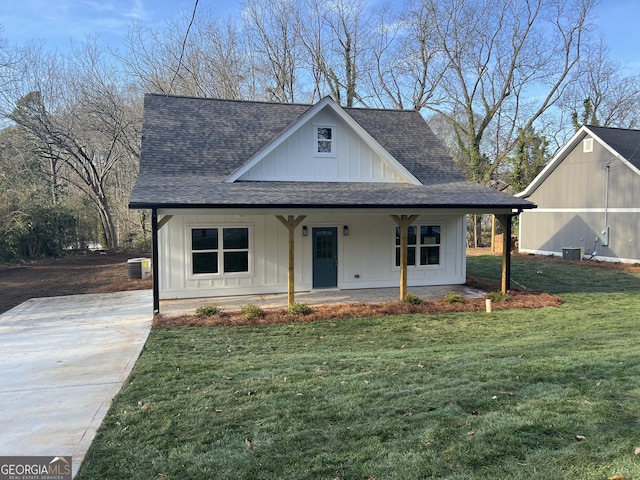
[(275, 197), (321, 210)]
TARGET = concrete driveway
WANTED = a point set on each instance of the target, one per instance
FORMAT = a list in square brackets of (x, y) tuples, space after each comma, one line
[(62, 360)]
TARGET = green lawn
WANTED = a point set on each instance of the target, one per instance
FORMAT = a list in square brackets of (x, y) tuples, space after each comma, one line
[(546, 393)]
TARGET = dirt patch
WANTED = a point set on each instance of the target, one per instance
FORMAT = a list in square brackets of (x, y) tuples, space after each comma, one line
[(72, 275)]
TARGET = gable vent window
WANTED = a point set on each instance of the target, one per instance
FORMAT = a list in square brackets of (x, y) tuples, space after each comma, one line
[(219, 250), (587, 145), (324, 143)]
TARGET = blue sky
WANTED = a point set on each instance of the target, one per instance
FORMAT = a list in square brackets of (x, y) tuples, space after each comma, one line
[(57, 21)]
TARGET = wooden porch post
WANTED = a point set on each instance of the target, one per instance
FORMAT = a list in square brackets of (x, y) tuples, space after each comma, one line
[(291, 223), (505, 220), (403, 222)]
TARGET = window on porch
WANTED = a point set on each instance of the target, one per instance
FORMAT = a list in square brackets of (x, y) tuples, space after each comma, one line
[(423, 245), (219, 250)]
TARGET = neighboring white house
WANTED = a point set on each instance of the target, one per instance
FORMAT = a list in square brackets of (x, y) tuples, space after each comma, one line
[(588, 199), (235, 186)]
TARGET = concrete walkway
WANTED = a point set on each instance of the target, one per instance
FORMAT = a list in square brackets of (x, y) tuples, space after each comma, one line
[(62, 361)]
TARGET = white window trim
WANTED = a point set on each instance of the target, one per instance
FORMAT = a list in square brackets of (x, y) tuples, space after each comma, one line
[(334, 144), (587, 145), (221, 274), (417, 266)]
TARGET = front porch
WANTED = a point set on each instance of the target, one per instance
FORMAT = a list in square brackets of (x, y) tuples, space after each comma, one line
[(312, 298)]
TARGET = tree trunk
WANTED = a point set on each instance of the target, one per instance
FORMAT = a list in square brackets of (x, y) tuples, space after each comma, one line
[(107, 222)]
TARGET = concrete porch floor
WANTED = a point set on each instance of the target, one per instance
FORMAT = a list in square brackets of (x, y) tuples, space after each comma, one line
[(313, 298)]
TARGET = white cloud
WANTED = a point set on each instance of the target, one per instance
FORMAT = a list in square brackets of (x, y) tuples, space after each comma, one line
[(137, 11)]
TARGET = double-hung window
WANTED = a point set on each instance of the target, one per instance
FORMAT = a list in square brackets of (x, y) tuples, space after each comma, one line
[(219, 250), (423, 245)]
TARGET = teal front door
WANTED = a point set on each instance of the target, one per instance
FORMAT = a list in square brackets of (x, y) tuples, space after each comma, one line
[(325, 257)]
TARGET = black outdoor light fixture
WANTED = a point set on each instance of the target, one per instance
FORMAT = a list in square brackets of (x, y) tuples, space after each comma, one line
[(305, 231), (345, 230)]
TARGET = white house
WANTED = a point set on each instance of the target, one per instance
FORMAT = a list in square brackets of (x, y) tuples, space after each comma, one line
[(252, 198)]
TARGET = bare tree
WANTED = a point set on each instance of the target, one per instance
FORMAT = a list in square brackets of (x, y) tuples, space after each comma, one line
[(409, 64), (491, 68), (602, 94), (270, 30), (336, 36), (79, 118), (209, 62), (8, 60)]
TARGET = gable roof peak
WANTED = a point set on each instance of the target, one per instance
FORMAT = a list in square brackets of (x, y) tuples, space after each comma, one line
[(353, 123), (622, 143)]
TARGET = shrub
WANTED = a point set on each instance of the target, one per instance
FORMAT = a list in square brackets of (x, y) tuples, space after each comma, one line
[(299, 309), (412, 298), (35, 230), (252, 311), (453, 297), (497, 296), (208, 311)]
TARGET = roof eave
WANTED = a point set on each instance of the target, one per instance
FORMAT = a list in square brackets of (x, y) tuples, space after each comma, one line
[(477, 208)]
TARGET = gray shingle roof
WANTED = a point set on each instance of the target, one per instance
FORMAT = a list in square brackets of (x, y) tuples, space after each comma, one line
[(625, 142), (190, 145)]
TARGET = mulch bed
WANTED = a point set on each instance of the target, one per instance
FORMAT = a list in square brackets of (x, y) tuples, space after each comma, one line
[(516, 299)]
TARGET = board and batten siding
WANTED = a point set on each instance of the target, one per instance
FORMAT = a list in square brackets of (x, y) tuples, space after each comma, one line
[(366, 257), (294, 159), (578, 199)]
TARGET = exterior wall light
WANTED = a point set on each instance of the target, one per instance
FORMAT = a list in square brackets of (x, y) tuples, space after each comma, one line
[(345, 230), (305, 231)]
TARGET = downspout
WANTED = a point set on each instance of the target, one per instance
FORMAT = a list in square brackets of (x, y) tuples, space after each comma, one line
[(154, 261), (606, 197)]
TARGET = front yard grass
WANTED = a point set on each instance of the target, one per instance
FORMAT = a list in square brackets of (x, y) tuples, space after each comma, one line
[(520, 394)]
